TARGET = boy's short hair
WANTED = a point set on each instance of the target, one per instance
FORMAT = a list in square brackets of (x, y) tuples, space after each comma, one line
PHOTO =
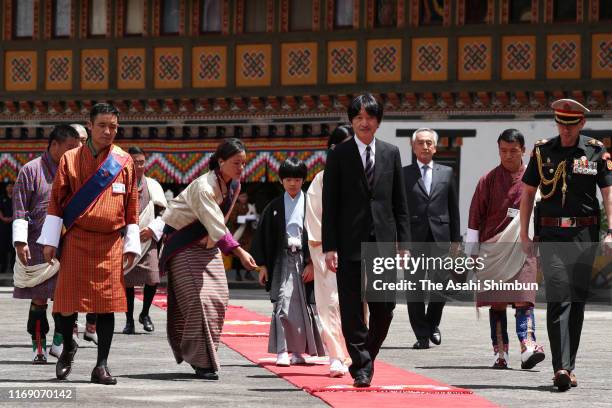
[(293, 167)]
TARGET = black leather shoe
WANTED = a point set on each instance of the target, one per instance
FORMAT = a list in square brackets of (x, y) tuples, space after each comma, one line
[(63, 367), (206, 373), (421, 344), (101, 375), (362, 381), (129, 327), (146, 322), (562, 380), (436, 336)]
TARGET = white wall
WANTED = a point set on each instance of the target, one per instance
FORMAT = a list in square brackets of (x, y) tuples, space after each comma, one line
[(478, 154)]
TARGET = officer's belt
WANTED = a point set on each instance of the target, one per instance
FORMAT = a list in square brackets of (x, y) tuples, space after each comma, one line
[(567, 222)]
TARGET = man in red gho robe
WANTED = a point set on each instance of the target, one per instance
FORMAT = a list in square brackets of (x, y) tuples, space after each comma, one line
[(102, 240), (494, 221)]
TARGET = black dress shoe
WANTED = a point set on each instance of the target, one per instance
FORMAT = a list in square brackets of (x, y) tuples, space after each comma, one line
[(129, 327), (146, 322), (562, 380), (421, 344), (101, 375), (63, 367), (206, 373), (436, 336), (362, 381)]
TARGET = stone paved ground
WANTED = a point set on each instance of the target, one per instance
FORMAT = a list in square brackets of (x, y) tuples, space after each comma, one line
[(149, 377)]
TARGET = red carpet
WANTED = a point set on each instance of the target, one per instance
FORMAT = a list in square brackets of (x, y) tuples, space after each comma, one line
[(246, 332)]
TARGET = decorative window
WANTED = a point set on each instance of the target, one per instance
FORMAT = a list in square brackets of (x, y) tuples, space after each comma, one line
[(476, 11), (300, 15), (255, 15), (343, 13), (98, 17), (386, 13), (431, 12), (62, 11), (520, 11), (170, 17), (210, 20), (134, 17), (24, 18), (605, 9), (564, 11)]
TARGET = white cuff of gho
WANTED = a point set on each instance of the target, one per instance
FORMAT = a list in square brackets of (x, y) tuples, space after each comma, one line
[(20, 231), (157, 226), (132, 239), (472, 245), (51, 231)]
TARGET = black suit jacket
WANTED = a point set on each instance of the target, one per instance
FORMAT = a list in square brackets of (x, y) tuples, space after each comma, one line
[(438, 211), (351, 211)]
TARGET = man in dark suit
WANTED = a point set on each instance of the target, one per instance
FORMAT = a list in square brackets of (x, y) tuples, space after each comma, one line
[(434, 217), (363, 201)]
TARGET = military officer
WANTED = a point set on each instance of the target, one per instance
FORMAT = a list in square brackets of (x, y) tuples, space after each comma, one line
[(566, 169)]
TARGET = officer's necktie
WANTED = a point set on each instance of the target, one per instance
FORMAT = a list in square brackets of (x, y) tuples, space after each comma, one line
[(427, 178), (369, 167)]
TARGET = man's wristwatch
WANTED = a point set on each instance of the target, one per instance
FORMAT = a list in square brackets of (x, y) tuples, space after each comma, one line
[(609, 231)]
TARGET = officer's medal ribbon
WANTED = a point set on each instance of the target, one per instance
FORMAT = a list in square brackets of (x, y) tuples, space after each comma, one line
[(584, 166)]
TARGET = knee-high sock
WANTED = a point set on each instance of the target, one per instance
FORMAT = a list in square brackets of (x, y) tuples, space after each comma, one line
[(104, 327), (525, 324), (66, 323), (129, 294), (57, 335), (149, 294), (38, 326), (499, 328)]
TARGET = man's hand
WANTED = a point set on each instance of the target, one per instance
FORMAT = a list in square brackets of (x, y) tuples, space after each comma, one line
[(331, 260), (23, 252), (527, 246), (49, 253), (308, 273), (146, 234), (263, 275), (128, 260)]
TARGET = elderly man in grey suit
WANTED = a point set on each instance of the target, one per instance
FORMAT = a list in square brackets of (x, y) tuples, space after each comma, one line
[(434, 218)]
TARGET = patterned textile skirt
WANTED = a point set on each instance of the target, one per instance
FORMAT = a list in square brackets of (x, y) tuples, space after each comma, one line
[(43, 290), (146, 272), (197, 299), (526, 275), (90, 279)]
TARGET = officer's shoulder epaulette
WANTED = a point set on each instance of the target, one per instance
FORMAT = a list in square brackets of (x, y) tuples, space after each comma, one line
[(595, 142), (541, 142)]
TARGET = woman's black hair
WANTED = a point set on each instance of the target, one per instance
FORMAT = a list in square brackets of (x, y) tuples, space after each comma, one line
[(135, 150), (512, 136), (368, 102), (293, 167), (224, 151), (339, 135)]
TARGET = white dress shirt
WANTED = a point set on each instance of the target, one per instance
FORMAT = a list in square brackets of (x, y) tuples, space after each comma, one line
[(362, 150)]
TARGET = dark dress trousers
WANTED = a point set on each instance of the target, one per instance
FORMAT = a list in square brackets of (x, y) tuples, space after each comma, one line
[(354, 213), (434, 218)]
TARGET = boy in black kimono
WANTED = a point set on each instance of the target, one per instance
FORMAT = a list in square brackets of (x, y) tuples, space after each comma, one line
[(281, 247)]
